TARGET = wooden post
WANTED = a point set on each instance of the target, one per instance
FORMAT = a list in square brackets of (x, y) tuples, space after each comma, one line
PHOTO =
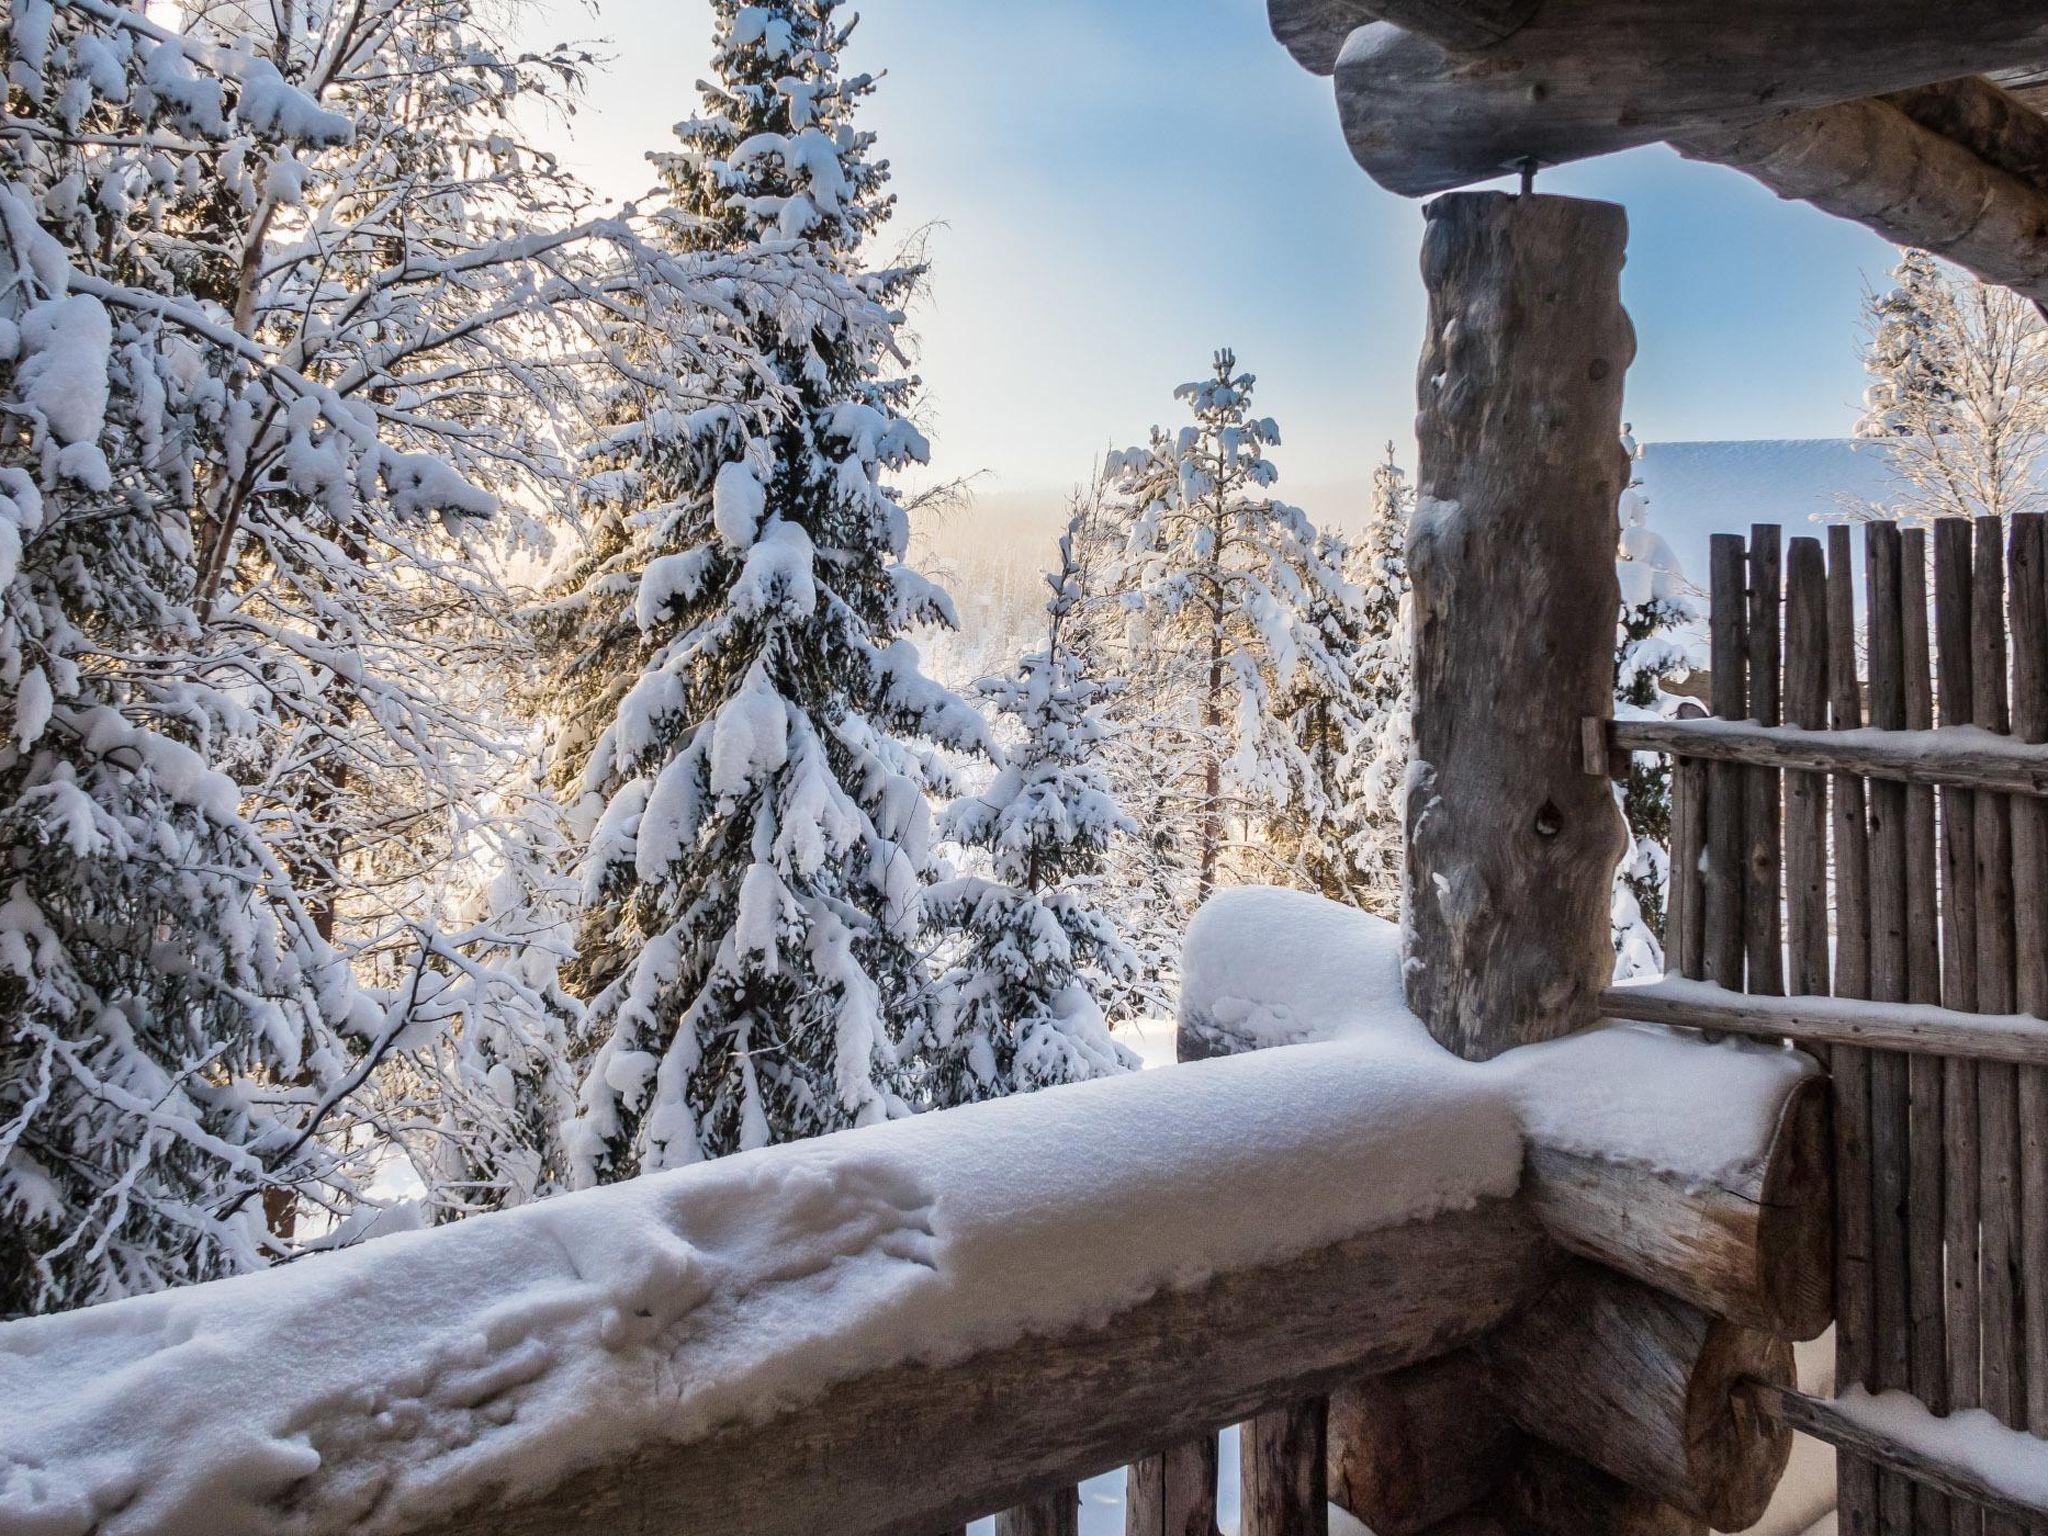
[(1512, 846), (1763, 935), (1173, 1493), (2028, 575), (1057, 1514), (1283, 1471), (1727, 876)]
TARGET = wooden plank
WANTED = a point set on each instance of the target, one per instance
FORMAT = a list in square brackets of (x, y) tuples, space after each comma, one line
[(1825, 1421), (1040, 1415), (1890, 1361), (1928, 1293), (1688, 879), (1997, 1086), (1284, 1471), (1959, 757), (2028, 583), (1052, 1514), (1762, 816), (1913, 1028), (1806, 794), (1953, 586), (1517, 940), (1173, 1493), (1729, 700)]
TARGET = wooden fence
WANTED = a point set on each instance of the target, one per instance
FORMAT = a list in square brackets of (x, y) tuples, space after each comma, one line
[(1870, 822)]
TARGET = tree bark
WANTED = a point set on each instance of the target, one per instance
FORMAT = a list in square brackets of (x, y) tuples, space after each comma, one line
[(1512, 845), (1411, 1450)]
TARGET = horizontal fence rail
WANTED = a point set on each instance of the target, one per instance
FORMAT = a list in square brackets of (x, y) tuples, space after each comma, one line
[(1956, 757)]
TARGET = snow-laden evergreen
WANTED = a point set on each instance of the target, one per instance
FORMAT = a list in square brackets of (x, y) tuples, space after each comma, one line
[(755, 880), (174, 1018), (1656, 600), (1958, 396), (1220, 587), (1019, 1008)]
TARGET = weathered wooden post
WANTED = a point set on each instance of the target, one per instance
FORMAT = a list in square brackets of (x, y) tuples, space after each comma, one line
[(1512, 845)]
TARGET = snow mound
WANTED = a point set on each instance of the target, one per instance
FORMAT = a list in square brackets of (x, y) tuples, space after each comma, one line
[(427, 1369), (1268, 967)]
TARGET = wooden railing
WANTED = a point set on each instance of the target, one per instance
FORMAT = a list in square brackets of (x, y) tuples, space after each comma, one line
[(1832, 842)]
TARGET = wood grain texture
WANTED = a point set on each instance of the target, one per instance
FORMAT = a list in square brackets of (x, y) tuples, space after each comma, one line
[(1824, 1421), (1763, 937), (1992, 123), (1013, 1424), (1868, 162), (2027, 581), (1956, 687), (1997, 1085), (1728, 697), (1755, 1246), (1411, 1449), (1643, 1387), (1173, 1493), (1891, 1337), (1966, 759), (1052, 1514), (1927, 1287), (1512, 846), (1554, 1494), (1588, 77), (1806, 794), (1907, 1028), (1283, 1471)]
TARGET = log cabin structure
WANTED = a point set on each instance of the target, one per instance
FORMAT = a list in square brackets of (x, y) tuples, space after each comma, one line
[(1569, 1330)]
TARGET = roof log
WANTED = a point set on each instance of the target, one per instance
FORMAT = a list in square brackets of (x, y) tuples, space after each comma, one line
[(1429, 103), (1869, 162)]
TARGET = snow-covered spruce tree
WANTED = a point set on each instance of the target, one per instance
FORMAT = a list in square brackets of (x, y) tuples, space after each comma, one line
[(1148, 873), (1221, 584), (1384, 683), (755, 884), (173, 1017), (1314, 839), (1655, 600), (1959, 395), (1018, 1010)]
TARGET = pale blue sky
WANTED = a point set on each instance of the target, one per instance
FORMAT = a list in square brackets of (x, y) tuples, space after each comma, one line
[(1119, 186)]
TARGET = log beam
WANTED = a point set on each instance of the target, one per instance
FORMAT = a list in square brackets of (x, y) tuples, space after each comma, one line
[(1512, 848), (1755, 1246), (1425, 111), (1992, 123), (926, 1448), (1645, 1388), (1552, 1494), (1869, 162), (1411, 1450)]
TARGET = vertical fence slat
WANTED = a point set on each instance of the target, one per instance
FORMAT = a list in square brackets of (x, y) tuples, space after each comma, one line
[(1927, 1303), (1056, 1514), (1173, 1493), (1855, 1305), (1997, 1087), (1284, 1479), (1688, 880), (1806, 794), (1726, 864), (1763, 936), (2027, 576), (1890, 1360), (1954, 582)]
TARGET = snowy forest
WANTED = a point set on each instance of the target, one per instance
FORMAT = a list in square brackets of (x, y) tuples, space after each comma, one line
[(475, 726)]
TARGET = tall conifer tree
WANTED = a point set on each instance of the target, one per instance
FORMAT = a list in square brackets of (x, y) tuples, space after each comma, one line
[(755, 883)]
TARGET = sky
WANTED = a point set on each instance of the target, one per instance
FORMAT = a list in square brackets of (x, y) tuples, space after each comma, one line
[(1111, 189)]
